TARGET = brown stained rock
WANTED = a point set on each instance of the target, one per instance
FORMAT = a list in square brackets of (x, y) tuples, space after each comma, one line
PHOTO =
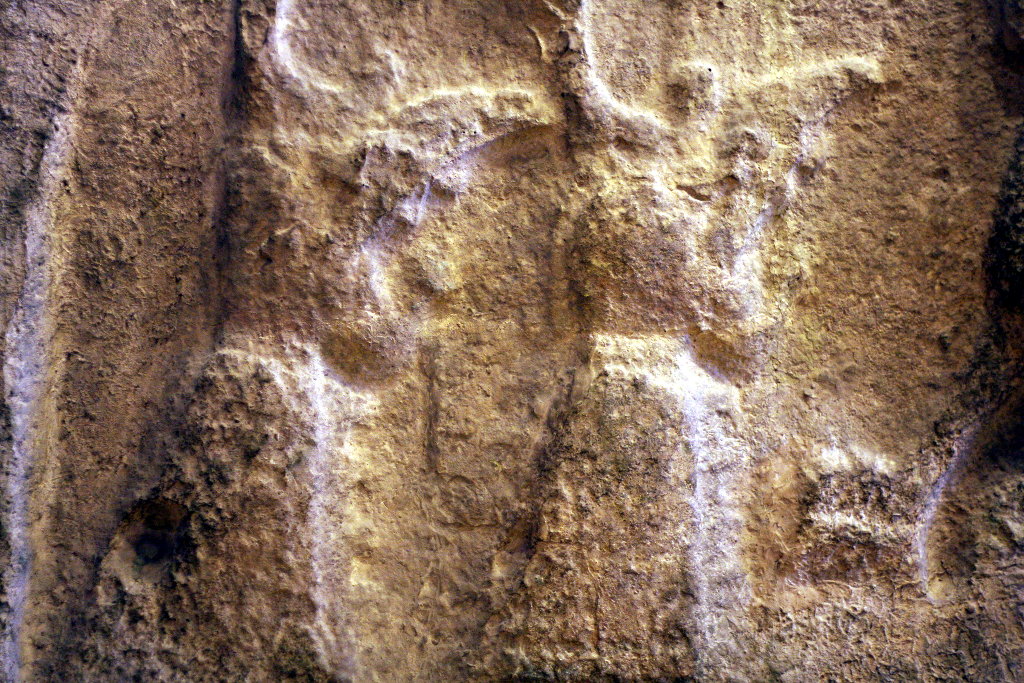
[(511, 340)]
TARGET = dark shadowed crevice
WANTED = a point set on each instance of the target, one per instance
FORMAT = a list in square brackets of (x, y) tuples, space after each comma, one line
[(156, 530), (1005, 255), (234, 106)]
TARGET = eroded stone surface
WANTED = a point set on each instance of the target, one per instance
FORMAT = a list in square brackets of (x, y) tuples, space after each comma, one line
[(534, 340)]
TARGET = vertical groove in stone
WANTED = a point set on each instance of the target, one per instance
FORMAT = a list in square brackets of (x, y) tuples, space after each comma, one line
[(233, 113)]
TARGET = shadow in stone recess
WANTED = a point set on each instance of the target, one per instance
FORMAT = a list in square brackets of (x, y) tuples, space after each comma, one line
[(153, 537)]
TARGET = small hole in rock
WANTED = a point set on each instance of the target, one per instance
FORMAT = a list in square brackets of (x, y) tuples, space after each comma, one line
[(156, 531)]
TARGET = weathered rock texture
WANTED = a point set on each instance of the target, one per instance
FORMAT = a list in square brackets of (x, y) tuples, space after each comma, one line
[(512, 340)]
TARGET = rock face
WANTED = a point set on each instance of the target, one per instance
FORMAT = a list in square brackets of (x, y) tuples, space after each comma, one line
[(511, 340)]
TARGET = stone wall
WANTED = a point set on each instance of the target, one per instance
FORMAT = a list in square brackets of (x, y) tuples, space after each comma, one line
[(511, 340)]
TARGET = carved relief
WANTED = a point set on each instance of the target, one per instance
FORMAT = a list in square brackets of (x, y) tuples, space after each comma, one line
[(499, 307)]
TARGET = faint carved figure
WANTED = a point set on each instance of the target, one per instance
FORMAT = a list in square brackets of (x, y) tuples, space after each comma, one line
[(668, 216), (531, 461)]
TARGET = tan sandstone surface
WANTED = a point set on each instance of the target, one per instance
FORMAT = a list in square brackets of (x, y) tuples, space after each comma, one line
[(576, 340)]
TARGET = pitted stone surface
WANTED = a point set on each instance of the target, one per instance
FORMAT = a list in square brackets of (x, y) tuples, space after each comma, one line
[(511, 340)]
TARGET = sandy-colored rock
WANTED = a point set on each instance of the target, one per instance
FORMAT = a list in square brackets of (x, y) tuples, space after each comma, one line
[(512, 340)]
